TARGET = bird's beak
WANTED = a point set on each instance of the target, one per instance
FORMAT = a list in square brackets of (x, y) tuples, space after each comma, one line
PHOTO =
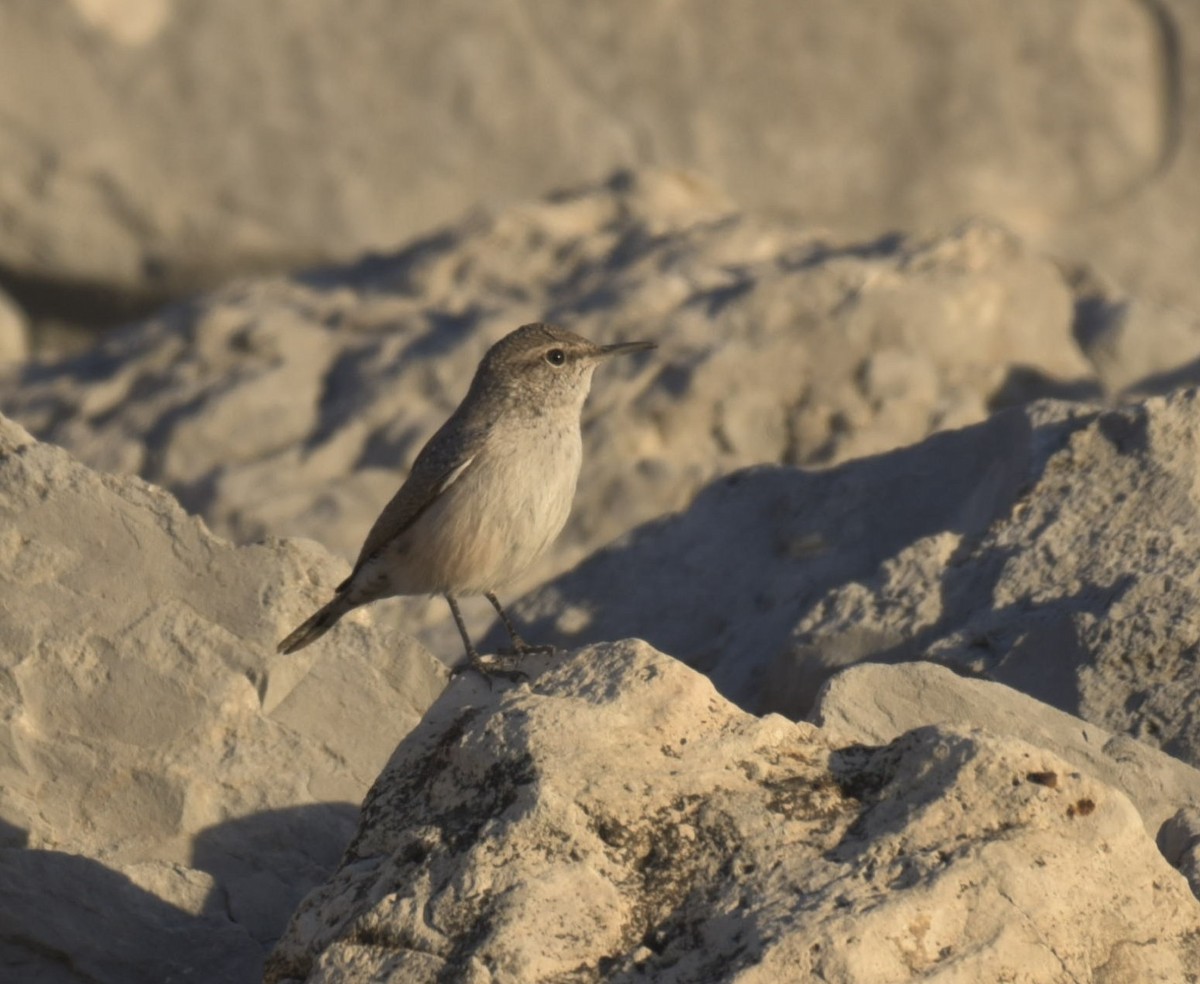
[(622, 348)]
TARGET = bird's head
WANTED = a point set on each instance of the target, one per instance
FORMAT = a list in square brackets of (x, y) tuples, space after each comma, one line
[(546, 366)]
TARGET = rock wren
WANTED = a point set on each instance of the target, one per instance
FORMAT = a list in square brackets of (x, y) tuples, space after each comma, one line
[(489, 492)]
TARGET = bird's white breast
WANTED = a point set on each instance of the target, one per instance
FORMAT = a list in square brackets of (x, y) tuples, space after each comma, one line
[(499, 514)]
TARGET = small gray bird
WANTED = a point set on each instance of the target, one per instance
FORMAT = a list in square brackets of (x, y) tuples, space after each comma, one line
[(489, 492)]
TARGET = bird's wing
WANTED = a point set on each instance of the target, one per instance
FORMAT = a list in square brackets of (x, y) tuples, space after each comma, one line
[(441, 462)]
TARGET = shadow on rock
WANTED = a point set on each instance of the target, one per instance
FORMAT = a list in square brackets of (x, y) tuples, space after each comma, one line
[(265, 863), (865, 772), (1161, 383), (732, 585), (67, 918)]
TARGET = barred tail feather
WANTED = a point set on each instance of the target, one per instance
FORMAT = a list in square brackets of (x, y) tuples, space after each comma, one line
[(316, 626)]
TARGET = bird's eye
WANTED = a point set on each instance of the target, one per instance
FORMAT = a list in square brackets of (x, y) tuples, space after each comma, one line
[(556, 357)]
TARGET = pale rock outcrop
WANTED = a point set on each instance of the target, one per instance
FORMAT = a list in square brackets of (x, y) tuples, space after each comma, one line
[(1138, 347), (1051, 548), (14, 331), (613, 818), (169, 786), (873, 704), (294, 406), (173, 143)]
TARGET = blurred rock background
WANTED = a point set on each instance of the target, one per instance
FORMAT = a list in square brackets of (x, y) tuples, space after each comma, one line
[(932, 263), (153, 147)]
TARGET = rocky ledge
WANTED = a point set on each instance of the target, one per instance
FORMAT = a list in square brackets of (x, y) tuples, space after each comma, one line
[(613, 818)]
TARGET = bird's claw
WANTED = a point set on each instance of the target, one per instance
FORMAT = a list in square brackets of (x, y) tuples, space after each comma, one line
[(488, 671)]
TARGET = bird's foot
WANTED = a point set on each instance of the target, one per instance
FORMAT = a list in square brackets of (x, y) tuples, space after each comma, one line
[(488, 670)]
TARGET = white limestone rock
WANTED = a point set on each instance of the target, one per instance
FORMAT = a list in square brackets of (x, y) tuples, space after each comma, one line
[(173, 143), (295, 406), (153, 748), (613, 818), (874, 704), (1051, 548)]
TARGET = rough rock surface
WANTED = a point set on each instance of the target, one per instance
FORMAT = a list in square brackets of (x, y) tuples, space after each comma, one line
[(294, 406), (1051, 548), (615, 819), (873, 704), (169, 787), (176, 141)]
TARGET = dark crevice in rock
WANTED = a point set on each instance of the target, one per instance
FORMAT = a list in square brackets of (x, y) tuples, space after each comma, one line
[(86, 308)]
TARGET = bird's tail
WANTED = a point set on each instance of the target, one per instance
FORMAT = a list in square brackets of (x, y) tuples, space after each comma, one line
[(316, 625)]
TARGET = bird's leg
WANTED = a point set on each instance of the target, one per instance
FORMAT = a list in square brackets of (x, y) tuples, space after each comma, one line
[(519, 646), (472, 653), (473, 659)]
